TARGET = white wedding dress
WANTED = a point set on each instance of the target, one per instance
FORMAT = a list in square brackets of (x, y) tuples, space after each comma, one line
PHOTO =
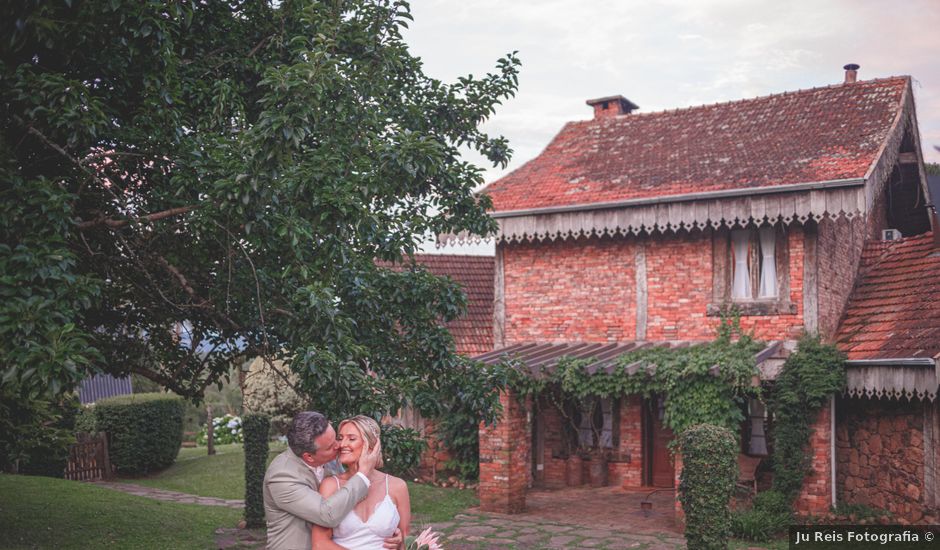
[(354, 534)]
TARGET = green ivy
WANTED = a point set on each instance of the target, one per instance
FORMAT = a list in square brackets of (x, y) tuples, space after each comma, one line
[(707, 383), (709, 470), (810, 376), (256, 428)]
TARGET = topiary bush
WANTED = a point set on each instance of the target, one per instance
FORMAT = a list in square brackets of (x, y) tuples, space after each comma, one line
[(144, 430), (256, 428), (401, 449), (709, 472)]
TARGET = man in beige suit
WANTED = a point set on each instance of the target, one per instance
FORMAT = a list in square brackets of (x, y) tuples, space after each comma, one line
[(292, 501)]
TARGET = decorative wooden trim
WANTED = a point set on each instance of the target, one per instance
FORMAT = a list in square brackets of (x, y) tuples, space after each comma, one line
[(731, 212), (891, 381)]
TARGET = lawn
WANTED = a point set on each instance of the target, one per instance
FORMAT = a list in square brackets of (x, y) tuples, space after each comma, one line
[(222, 475), (41, 512)]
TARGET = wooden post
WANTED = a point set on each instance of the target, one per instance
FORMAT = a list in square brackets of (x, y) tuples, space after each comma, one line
[(210, 427)]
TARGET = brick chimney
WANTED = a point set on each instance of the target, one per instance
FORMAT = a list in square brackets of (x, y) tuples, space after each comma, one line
[(611, 106), (851, 73)]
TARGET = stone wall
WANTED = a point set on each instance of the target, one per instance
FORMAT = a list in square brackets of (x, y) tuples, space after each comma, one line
[(880, 450)]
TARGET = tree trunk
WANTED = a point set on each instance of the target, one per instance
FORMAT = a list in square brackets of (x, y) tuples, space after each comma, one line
[(210, 427)]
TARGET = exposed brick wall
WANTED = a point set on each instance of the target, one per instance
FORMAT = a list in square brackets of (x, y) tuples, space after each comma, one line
[(880, 456), (816, 496), (576, 290), (839, 247), (585, 290), (629, 471), (505, 468)]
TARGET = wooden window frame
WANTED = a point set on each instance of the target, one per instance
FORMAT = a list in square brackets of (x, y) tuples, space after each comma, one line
[(722, 275)]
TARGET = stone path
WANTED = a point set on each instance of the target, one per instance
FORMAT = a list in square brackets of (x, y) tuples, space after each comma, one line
[(589, 522), (170, 496), (479, 531)]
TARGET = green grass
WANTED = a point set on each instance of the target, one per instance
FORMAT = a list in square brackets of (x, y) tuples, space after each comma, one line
[(196, 473), (41, 512), (431, 504), (222, 476)]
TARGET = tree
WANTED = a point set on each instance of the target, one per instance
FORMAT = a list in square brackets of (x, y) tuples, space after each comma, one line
[(233, 168), (933, 168)]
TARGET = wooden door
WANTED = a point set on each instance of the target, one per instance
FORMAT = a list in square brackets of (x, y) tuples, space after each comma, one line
[(660, 467)]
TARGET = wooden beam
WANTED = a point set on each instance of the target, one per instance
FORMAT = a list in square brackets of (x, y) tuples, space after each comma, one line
[(907, 158)]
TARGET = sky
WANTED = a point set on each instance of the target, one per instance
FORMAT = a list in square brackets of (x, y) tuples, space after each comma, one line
[(670, 54)]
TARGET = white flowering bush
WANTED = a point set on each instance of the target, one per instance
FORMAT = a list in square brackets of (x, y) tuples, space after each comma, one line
[(225, 429), (266, 392)]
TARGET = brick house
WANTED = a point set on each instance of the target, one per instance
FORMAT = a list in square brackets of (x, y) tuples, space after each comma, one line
[(472, 332), (636, 229)]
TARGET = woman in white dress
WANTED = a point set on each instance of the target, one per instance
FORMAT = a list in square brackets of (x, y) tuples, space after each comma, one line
[(386, 506)]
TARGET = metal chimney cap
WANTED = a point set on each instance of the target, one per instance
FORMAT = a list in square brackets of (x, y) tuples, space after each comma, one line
[(852, 67)]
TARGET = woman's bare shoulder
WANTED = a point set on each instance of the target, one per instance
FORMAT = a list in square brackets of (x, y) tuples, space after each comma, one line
[(396, 484), (329, 485)]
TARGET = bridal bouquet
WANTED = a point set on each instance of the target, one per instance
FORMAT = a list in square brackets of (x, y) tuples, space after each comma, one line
[(427, 540)]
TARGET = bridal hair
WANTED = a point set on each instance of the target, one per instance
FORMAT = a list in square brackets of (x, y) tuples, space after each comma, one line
[(304, 430), (370, 431)]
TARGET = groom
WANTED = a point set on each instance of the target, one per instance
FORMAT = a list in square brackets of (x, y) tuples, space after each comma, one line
[(291, 485)]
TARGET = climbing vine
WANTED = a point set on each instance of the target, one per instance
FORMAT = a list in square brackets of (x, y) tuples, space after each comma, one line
[(705, 383), (813, 373)]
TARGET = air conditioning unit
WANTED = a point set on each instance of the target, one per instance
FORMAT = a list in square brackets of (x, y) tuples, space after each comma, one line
[(890, 234)]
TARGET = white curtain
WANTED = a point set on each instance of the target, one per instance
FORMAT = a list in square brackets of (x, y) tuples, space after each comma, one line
[(741, 283), (768, 267)]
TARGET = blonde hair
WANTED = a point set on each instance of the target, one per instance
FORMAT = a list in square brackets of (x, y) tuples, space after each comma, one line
[(370, 431)]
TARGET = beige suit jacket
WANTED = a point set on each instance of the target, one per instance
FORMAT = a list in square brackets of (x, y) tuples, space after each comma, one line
[(292, 502)]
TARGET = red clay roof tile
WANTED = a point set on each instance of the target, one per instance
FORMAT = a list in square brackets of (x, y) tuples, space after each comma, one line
[(473, 332), (821, 134), (894, 310)]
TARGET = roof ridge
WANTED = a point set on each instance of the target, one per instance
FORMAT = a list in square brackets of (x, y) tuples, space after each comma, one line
[(740, 100)]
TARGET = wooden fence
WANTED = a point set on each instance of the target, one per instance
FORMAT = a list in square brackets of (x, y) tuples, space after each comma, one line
[(88, 458)]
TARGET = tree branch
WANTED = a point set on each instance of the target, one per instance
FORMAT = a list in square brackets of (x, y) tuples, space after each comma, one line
[(156, 216)]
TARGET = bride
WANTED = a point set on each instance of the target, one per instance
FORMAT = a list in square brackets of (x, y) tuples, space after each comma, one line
[(386, 506)]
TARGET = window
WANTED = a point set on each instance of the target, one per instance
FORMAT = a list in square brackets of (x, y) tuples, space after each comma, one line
[(754, 257), (755, 429), (595, 426), (751, 271)]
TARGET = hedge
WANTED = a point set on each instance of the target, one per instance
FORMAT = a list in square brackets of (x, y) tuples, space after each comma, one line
[(709, 472), (401, 450), (255, 429), (144, 430)]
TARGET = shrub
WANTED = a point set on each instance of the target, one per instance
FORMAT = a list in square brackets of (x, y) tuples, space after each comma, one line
[(709, 472), (35, 432), (145, 430), (401, 449), (769, 515), (85, 420), (266, 392), (225, 429), (257, 428)]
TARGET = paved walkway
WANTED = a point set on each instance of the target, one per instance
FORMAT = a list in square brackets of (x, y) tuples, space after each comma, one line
[(170, 496), (603, 519)]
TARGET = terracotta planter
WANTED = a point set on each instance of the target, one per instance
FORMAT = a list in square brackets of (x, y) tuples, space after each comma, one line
[(573, 477), (597, 470)]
